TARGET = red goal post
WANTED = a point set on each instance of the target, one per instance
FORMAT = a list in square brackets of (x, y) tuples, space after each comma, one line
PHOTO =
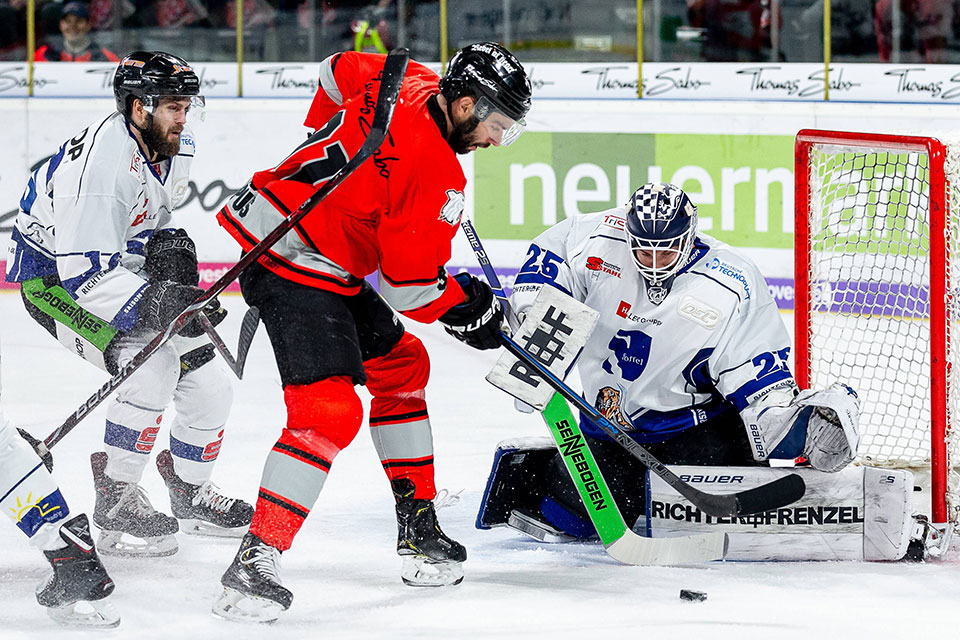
[(875, 300)]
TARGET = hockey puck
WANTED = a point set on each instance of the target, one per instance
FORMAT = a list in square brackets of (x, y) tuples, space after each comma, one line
[(693, 596)]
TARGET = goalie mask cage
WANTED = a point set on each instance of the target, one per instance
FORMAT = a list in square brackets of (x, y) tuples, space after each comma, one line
[(876, 292)]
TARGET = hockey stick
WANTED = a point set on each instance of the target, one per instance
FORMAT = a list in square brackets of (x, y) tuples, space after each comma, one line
[(390, 80), (620, 542), (248, 327), (772, 495)]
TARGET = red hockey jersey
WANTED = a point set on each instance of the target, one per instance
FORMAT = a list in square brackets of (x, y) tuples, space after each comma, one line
[(397, 214)]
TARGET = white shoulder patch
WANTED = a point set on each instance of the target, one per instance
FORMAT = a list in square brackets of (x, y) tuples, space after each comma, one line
[(453, 208)]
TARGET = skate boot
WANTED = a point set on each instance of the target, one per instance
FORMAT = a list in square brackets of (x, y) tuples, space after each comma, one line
[(252, 591), (430, 557), (129, 525), (200, 509), (76, 590)]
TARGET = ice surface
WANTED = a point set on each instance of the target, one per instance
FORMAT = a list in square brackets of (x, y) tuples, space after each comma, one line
[(343, 568)]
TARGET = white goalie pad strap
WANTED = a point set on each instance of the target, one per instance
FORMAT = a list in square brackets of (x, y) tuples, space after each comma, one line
[(554, 332), (833, 428), (527, 442), (859, 513)]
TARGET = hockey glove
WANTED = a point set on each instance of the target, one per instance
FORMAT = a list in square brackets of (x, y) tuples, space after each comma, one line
[(833, 427), (476, 322), (172, 255), (163, 301)]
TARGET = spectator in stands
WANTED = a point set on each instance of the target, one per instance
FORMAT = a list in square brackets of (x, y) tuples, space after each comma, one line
[(926, 27), (13, 29), (76, 45)]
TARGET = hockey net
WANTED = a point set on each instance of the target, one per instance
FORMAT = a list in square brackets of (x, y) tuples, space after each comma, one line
[(877, 293)]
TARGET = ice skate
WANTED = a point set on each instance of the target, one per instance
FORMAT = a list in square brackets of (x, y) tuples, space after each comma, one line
[(252, 591), (430, 557), (129, 525), (76, 591), (200, 508)]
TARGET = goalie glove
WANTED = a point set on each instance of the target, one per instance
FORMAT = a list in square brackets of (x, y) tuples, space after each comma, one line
[(832, 426), (822, 426), (478, 321)]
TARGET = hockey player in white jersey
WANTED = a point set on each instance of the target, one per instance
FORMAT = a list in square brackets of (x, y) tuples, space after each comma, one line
[(103, 270), (77, 589), (689, 357)]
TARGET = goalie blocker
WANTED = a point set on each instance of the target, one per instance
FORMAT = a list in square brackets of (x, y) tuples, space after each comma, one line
[(859, 513)]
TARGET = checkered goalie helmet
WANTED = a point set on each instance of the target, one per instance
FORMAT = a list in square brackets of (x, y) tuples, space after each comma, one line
[(660, 220)]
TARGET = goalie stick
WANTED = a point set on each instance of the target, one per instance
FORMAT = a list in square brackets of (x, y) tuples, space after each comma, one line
[(248, 328), (391, 78), (619, 541), (773, 495)]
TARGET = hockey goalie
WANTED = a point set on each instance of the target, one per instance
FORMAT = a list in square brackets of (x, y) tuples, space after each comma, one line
[(690, 358)]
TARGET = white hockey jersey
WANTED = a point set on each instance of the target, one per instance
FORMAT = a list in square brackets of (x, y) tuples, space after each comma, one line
[(88, 211), (715, 344)]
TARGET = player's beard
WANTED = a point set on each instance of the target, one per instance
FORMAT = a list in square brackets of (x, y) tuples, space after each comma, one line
[(155, 137), (460, 139)]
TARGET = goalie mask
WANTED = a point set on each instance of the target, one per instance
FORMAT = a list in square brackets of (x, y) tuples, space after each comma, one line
[(661, 228)]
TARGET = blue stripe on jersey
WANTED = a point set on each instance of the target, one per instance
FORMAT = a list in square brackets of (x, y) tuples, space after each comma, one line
[(538, 278), (657, 426), (28, 261), (96, 266), (188, 451), (121, 437), (129, 314), (740, 397), (55, 161), (45, 509), (697, 372), (137, 245), (29, 193)]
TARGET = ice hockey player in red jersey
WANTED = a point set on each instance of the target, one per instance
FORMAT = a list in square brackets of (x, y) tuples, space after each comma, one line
[(330, 329)]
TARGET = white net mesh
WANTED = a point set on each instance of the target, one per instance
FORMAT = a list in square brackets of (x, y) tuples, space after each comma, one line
[(869, 274)]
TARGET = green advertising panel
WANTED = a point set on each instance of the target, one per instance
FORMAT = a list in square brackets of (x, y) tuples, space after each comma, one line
[(743, 185)]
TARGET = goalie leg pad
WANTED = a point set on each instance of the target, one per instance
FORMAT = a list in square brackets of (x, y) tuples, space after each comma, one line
[(858, 513), (517, 480)]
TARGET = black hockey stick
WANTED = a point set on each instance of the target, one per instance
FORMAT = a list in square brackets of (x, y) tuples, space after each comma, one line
[(248, 328), (773, 495), (390, 80)]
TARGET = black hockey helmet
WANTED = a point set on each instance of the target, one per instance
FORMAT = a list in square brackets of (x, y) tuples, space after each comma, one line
[(661, 223), (150, 75), (494, 76)]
